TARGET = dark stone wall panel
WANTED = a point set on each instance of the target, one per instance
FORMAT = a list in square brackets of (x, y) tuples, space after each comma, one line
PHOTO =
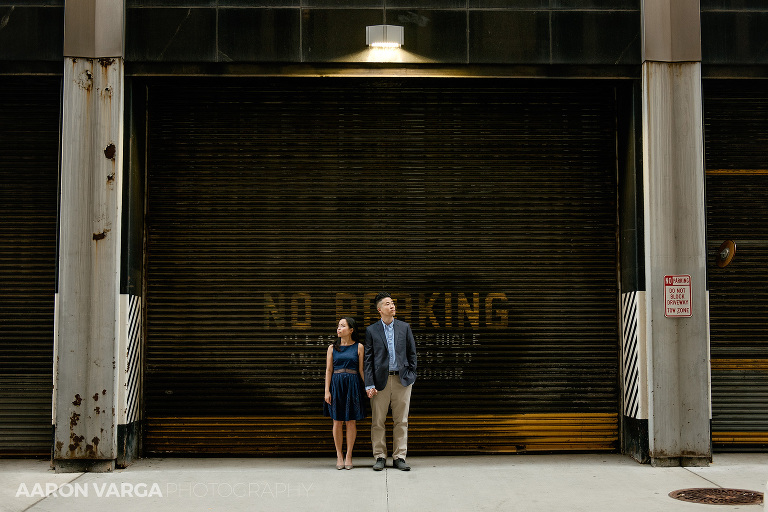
[(509, 37), (427, 4), (259, 35), (336, 34), (35, 3), (261, 3), (504, 4), (170, 3), (603, 5), (751, 5), (606, 5), (31, 33), (439, 35), (734, 37), (167, 35), (349, 4), (595, 37)]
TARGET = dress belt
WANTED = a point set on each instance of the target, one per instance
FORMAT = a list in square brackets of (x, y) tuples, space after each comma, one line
[(345, 370)]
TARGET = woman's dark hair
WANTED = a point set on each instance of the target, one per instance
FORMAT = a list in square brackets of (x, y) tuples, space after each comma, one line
[(352, 325)]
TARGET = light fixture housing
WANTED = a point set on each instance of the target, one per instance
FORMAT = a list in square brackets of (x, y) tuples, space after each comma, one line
[(384, 36)]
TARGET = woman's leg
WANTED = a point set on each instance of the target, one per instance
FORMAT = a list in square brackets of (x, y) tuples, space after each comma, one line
[(338, 437), (351, 435)]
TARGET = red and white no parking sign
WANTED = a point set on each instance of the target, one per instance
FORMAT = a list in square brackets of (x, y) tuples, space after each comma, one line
[(677, 296)]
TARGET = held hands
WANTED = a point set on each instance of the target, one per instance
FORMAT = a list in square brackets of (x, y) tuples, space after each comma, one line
[(371, 392)]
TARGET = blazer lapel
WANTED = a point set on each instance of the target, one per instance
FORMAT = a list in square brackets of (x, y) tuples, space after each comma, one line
[(382, 334)]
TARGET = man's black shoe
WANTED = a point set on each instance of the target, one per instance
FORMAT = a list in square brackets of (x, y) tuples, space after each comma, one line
[(380, 463), (400, 464)]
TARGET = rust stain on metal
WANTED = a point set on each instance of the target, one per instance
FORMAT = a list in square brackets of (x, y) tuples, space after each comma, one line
[(75, 445), (101, 236), (106, 62), (59, 446), (97, 410), (78, 400), (73, 420), (92, 449), (109, 152), (85, 80), (104, 392), (95, 397)]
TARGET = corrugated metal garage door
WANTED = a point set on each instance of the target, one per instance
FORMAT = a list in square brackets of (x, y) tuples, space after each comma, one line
[(736, 124), (486, 208), (29, 133)]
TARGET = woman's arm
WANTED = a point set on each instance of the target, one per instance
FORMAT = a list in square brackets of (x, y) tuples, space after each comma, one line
[(328, 374), (360, 354)]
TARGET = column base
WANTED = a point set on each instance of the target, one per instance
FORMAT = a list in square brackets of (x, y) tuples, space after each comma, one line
[(685, 462), (127, 444), (635, 439), (83, 466)]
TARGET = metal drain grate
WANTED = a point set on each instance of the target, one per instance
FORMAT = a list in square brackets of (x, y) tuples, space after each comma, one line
[(717, 496)]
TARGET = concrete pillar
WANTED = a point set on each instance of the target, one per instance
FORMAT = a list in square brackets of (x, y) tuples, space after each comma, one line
[(87, 326), (676, 347)]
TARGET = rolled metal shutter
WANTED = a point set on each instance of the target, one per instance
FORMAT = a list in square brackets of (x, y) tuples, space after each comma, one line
[(486, 208), (736, 128), (29, 134)]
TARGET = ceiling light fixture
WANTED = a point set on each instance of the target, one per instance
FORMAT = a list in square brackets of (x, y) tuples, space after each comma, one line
[(384, 36)]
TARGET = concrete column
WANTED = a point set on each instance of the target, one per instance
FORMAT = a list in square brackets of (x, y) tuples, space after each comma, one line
[(677, 348), (88, 299)]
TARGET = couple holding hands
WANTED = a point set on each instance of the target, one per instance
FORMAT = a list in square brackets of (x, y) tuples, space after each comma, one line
[(383, 370)]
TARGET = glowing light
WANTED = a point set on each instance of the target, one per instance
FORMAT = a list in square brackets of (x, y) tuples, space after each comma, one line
[(394, 54), (384, 44)]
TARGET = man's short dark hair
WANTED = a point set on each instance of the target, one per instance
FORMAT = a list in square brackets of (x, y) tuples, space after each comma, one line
[(380, 297)]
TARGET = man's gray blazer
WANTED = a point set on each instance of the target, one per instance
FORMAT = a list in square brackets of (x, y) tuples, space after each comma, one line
[(376, 358)]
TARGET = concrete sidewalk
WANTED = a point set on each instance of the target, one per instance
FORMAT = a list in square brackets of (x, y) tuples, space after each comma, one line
[(527, 483)]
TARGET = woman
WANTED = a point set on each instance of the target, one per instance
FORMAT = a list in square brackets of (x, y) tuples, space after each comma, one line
[(344, 388)]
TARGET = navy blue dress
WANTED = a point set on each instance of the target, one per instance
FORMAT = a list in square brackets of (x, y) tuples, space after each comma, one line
[(347, 389)]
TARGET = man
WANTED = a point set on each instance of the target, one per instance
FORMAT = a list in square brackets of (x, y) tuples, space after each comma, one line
[(390, 369)]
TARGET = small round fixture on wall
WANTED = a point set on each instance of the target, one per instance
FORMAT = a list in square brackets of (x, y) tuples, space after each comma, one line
[(725, 253)]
